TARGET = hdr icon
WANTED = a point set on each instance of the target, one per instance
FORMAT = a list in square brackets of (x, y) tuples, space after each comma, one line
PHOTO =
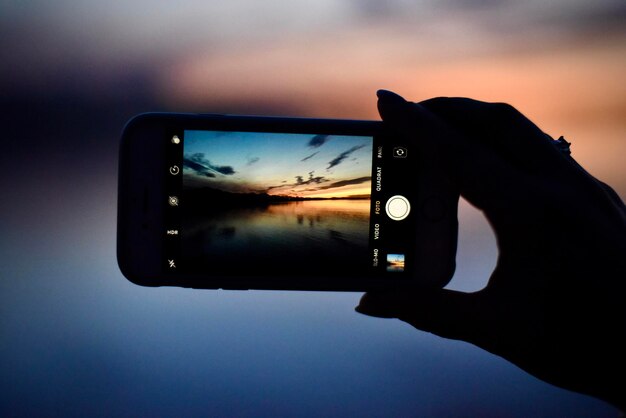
[(172, 232)]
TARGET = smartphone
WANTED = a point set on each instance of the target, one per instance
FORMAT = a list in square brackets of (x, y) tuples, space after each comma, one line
[(244, 202)]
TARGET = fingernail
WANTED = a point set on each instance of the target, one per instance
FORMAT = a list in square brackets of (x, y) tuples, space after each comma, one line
[(375, 311), (359, 309), (390, 96)]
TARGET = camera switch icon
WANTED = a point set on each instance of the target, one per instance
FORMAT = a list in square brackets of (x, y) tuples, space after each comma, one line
[(400, 152), (174, 170)]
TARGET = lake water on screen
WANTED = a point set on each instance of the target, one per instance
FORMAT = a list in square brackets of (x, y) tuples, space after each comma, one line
[(311, 236)]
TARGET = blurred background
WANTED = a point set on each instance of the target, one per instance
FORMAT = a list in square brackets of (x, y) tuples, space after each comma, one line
[(77, 339)]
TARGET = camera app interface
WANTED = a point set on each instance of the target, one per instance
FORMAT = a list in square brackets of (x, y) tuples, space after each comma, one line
[(258, 203)]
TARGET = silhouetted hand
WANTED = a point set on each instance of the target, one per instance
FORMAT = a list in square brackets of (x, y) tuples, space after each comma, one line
[(555, 305)]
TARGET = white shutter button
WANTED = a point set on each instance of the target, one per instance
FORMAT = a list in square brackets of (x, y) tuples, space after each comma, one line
[(397, 207)]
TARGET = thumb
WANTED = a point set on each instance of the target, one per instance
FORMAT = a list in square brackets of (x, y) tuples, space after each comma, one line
[(446, 313), (450, 159)]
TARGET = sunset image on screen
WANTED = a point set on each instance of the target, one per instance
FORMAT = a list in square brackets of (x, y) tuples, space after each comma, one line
[(279, 201), (296, 166), (395, 262)]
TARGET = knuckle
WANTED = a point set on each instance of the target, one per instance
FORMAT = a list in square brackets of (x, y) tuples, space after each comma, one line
[(504, 110)]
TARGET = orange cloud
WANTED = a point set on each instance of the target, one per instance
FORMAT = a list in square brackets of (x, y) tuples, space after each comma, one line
[(571, 88)]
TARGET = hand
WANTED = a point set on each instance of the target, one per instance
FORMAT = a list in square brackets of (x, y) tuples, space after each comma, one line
[(555, 305)]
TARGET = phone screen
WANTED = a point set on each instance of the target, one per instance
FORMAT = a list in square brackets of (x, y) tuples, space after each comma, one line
[(287, 204)]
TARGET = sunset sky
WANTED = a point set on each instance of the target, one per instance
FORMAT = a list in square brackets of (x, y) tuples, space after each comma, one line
[(83, 341), (278, 164), (562, 63)]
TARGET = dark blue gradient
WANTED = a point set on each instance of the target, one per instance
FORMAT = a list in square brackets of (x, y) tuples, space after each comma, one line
[(78, 339)]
